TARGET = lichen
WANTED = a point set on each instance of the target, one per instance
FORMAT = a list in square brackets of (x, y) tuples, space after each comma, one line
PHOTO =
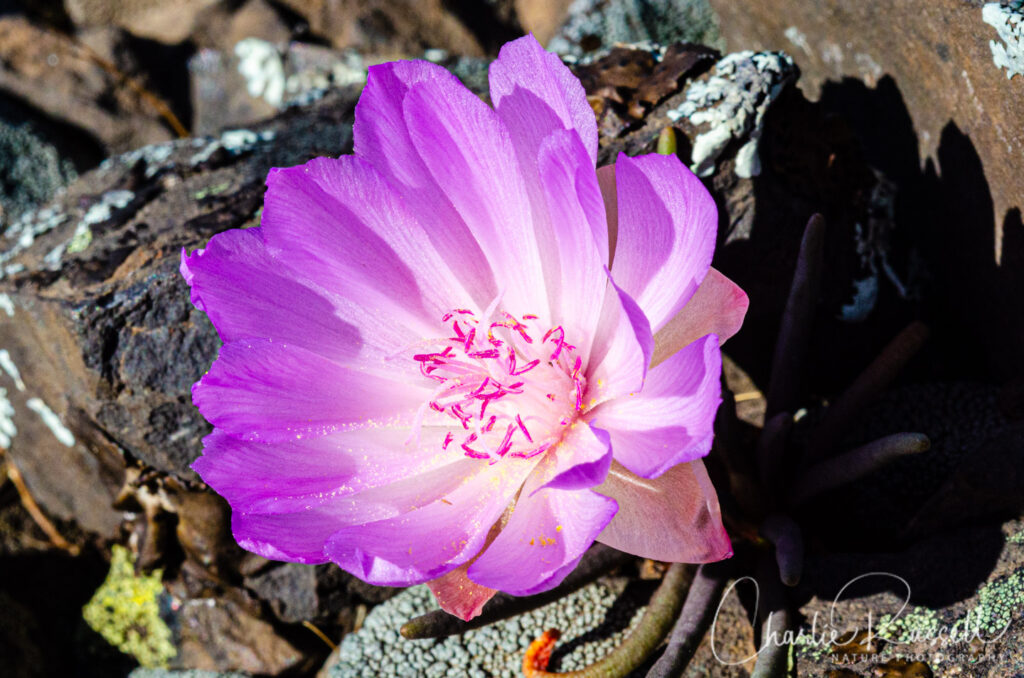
[(260, 64), (7, 428), (732, 103), (1009, 24), (51, 421), (125, 611)]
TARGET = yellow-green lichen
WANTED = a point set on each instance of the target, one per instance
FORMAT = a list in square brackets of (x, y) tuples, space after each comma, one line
[(125, 611)]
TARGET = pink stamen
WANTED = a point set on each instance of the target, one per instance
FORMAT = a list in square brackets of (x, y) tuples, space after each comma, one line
[(522, 427), (506, 442), (526, 368), (529, 454), (470, 452), (448, 438)]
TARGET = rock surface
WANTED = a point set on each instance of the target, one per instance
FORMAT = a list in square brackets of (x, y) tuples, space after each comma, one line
[(933, 83)]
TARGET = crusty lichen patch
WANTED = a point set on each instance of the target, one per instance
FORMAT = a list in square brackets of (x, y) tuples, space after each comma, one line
[(126, 612), (731, 104), (1009, 23)]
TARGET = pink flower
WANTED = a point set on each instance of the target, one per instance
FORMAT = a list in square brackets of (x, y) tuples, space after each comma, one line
[(461, 355)]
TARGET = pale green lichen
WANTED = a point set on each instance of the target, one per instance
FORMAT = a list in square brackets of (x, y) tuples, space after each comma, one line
[(126, 612), (209, 191), (1000, 603), (919, 623)]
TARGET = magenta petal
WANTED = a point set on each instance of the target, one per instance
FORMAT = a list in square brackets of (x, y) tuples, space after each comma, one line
[(718, 307), (673, 518), (580, 461), (292, 537), (247, 293), (431, 540), (298, 528), (263, 390), (338, 222), (667, 225), (535, 94), (578, 223), (543, 540), (381, 137), (295, 475), (459, 595), (672, 420), (469, 154)]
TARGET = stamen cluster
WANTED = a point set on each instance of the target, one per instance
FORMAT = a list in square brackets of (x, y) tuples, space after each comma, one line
[(511, 395)]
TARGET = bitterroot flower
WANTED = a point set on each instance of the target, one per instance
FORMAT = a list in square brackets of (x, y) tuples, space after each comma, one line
[(462, 355)]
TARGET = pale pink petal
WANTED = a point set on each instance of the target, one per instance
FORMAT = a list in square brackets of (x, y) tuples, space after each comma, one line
[(621, 352), (263, 390), (543, 540), (247, 293), (434, 539), (672, 518), (535, 94), (667, 225), (469, 153), (672, 420), (718, 307), (459, 595), (580, 461), (381, 137), (581, 236)]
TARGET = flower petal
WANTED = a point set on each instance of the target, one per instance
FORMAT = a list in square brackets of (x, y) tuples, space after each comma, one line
[(544, 539), (718, 307), (622, 349), (580, 461), (381, 137), (293, 475), (469, 154), (672, 420), (673, 518), (667, 225), (292, 537), (264, 390), (247, 293), (535, 94), (459, 595), (339, 223), (580, 232), (434, 539), (301, 534)]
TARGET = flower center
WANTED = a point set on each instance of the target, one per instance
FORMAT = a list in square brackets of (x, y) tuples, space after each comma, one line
[(511, 388)]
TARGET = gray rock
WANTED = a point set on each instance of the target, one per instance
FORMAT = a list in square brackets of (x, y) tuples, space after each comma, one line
[(593, 24)]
